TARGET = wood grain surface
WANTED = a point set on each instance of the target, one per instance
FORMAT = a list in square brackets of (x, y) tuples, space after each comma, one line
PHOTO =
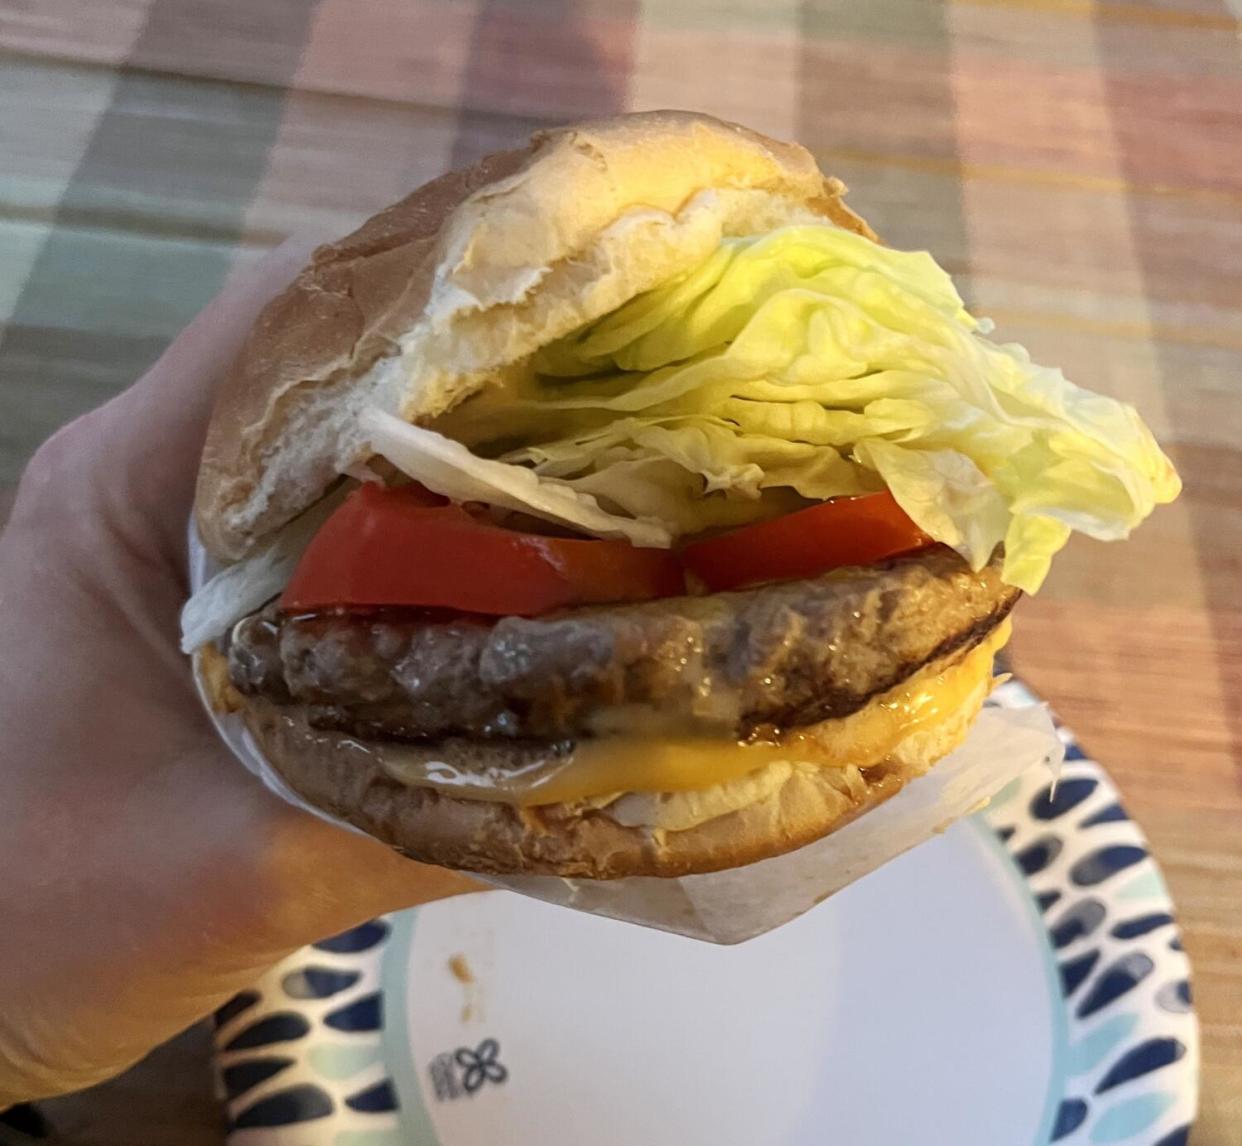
[(1076, 163)]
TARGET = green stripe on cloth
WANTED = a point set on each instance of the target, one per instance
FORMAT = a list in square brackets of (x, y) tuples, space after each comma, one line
[(48, 110), (145, 231), (878, 77), (737, 18)]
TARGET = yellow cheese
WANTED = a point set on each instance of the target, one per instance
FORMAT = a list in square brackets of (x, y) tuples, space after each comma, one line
[(609, 765)]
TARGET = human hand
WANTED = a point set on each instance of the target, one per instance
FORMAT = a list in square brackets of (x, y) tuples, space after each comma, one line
[(146, 875)]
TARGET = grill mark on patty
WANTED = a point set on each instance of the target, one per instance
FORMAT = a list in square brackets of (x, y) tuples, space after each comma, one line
[(838, 703)]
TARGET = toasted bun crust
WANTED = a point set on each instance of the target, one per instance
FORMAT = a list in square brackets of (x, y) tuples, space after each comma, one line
[(346, 779), (438, 294)]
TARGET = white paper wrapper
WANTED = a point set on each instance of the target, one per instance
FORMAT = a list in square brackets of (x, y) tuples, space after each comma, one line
[(730, 906)]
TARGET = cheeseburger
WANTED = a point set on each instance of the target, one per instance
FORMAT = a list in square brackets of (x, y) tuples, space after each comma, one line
[(621, 506)]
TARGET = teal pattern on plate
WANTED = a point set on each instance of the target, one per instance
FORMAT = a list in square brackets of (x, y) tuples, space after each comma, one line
[(1132, 1060), (302, 1053)]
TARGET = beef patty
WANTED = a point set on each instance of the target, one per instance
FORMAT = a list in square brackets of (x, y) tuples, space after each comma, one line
[(773, 657)]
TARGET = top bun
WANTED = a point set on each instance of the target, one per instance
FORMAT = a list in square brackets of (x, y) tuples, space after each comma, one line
[(436, 296)]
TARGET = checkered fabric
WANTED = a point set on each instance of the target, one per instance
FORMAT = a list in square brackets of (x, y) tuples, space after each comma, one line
[(1077, 164)]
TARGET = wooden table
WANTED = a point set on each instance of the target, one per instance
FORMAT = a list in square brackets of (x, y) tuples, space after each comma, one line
[(1076, 163)]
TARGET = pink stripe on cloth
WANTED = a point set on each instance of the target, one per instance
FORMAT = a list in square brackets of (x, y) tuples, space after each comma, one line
[(876, 84), (412, 52), (1066, 128), (1189, 128), (95, 31), (335, 161), (890, 97), (545, 62), (239, 40), (371, 114), (686, 67), (1177, 129)]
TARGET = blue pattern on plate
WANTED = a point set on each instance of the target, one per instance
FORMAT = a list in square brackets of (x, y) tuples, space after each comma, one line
[(1179, 1137), (356, 939), (1110, 815), (1131, 1062), (332, 1063), (245, 1076), (1116, 980), (1045, 899), (1132, 1046), (317, 982), (1077, 922), (375, 1098), (1175, 996), (279, 1028), (1100, 865), (1070, 1116), (1141, 925), (1056, 799), (302, 1103), (1140, 1060), (365, 1014), (235, 1006), (1075, 972), (1036, 856)]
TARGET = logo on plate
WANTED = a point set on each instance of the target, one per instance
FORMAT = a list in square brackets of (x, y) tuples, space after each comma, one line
[(465, 1071)]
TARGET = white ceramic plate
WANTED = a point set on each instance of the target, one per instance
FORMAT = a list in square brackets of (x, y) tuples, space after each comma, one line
[(1018, 980)]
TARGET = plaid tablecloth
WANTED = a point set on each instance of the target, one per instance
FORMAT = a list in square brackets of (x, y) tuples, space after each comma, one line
[(1076, 163)]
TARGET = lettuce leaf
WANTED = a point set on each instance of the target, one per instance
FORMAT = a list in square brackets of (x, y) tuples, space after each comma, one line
[(815, 362), (238, 590), (448, 468)]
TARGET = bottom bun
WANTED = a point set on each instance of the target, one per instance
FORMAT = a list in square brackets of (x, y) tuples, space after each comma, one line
[(347, 779)]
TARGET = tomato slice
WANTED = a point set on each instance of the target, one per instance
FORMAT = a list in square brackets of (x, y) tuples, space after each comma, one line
[(406, 546), (844, 531)]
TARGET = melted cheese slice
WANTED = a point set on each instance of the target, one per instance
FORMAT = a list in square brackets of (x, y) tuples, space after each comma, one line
[(604, 767)]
